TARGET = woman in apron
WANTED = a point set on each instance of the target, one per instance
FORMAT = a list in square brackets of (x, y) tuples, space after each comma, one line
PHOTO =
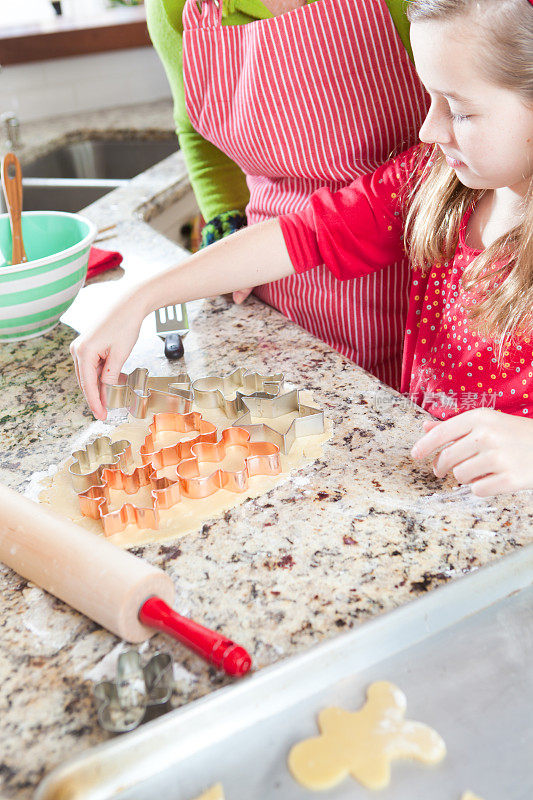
[(276, 99)]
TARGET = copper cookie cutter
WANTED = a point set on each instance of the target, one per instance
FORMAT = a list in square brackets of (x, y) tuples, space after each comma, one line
[(124, 702), (141, 393), (179, 423), (94, 501), (309, 420), (259, 458)]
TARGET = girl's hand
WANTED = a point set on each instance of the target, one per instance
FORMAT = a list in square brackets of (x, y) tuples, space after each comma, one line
[(487, 449), (240, 295), (100, 352)]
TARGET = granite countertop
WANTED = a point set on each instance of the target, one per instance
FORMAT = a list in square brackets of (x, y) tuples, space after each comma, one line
[(362, 530)]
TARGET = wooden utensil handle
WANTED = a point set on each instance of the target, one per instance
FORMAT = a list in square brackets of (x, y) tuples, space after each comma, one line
[(12, 184)]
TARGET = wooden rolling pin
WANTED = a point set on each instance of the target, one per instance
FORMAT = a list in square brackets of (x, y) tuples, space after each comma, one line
[(109, 585)]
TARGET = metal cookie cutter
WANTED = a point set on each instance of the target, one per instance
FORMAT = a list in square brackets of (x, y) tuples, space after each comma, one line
[(94, 502), (165, 492), (179, 423), (123, 703), (213, 390), (309, 422), (102, 452), (260, 458), (142, 394)]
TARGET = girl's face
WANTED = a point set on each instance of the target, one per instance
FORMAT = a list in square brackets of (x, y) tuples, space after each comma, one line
[(484, 130)]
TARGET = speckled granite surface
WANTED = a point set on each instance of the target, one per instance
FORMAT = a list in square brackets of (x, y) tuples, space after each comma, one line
[(361, 531)]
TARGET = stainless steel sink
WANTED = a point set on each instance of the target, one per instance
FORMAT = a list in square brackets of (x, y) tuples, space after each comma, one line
[(101, 158), (76, 174)]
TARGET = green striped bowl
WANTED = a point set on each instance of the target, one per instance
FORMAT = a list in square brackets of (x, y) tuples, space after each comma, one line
[(35, 294)]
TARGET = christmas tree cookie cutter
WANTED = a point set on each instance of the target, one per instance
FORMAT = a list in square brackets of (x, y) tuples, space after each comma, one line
[(309, 420)]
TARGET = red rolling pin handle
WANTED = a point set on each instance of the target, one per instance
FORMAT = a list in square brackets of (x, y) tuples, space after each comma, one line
[(216, 649)]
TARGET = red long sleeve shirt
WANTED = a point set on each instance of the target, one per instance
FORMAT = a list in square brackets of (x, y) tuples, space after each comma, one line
[(447, 367)]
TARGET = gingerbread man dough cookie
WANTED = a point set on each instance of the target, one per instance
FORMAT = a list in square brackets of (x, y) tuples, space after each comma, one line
[(363, 743)]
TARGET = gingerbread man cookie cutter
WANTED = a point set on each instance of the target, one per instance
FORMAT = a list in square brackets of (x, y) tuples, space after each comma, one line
[(260, 458), (363, 743), (102, 452), (176, 423), (141, 393), (214, 391), (309, 420)]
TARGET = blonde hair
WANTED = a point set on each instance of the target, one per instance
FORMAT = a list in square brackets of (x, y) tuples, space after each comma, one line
[(439, 200)]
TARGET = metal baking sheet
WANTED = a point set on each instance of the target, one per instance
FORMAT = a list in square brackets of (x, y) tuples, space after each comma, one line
[(463, 655)]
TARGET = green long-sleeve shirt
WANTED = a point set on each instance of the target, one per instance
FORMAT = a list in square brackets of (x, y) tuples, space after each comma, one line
[(218, 183)]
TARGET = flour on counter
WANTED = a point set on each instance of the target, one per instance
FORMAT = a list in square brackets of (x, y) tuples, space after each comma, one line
[(51, 628)]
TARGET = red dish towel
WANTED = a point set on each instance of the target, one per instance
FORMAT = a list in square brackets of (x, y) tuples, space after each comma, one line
[(101, 261)]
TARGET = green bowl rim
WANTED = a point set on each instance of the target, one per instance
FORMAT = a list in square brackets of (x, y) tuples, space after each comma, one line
[(40, 262)]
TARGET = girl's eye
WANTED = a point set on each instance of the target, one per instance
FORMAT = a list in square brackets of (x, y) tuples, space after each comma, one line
[(459, 117)]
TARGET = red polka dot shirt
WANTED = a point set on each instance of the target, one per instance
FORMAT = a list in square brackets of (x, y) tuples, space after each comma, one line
[(448, 368)]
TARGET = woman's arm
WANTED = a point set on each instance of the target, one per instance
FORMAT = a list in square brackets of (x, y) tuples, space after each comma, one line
[(397, 10), (218, 183), (254, 255)]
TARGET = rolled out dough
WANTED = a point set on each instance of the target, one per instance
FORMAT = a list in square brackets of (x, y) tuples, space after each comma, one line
[(188, 515)]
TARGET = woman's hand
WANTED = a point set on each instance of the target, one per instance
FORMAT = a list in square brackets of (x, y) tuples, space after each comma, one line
[(240, 295), (100, 352), (491, 451)]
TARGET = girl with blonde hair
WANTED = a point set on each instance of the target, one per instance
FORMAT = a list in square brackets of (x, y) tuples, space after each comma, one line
[(460, 204)]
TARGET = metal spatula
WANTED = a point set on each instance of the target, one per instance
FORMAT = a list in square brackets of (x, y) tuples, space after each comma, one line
[(171, 324)]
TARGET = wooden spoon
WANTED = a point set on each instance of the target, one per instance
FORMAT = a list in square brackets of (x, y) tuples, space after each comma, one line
[(12, 185)]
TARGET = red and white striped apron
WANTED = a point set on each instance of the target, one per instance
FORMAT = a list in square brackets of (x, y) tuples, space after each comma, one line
[(314, 97)]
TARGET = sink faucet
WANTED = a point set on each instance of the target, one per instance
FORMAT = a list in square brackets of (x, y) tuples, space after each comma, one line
[(11, 126)]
